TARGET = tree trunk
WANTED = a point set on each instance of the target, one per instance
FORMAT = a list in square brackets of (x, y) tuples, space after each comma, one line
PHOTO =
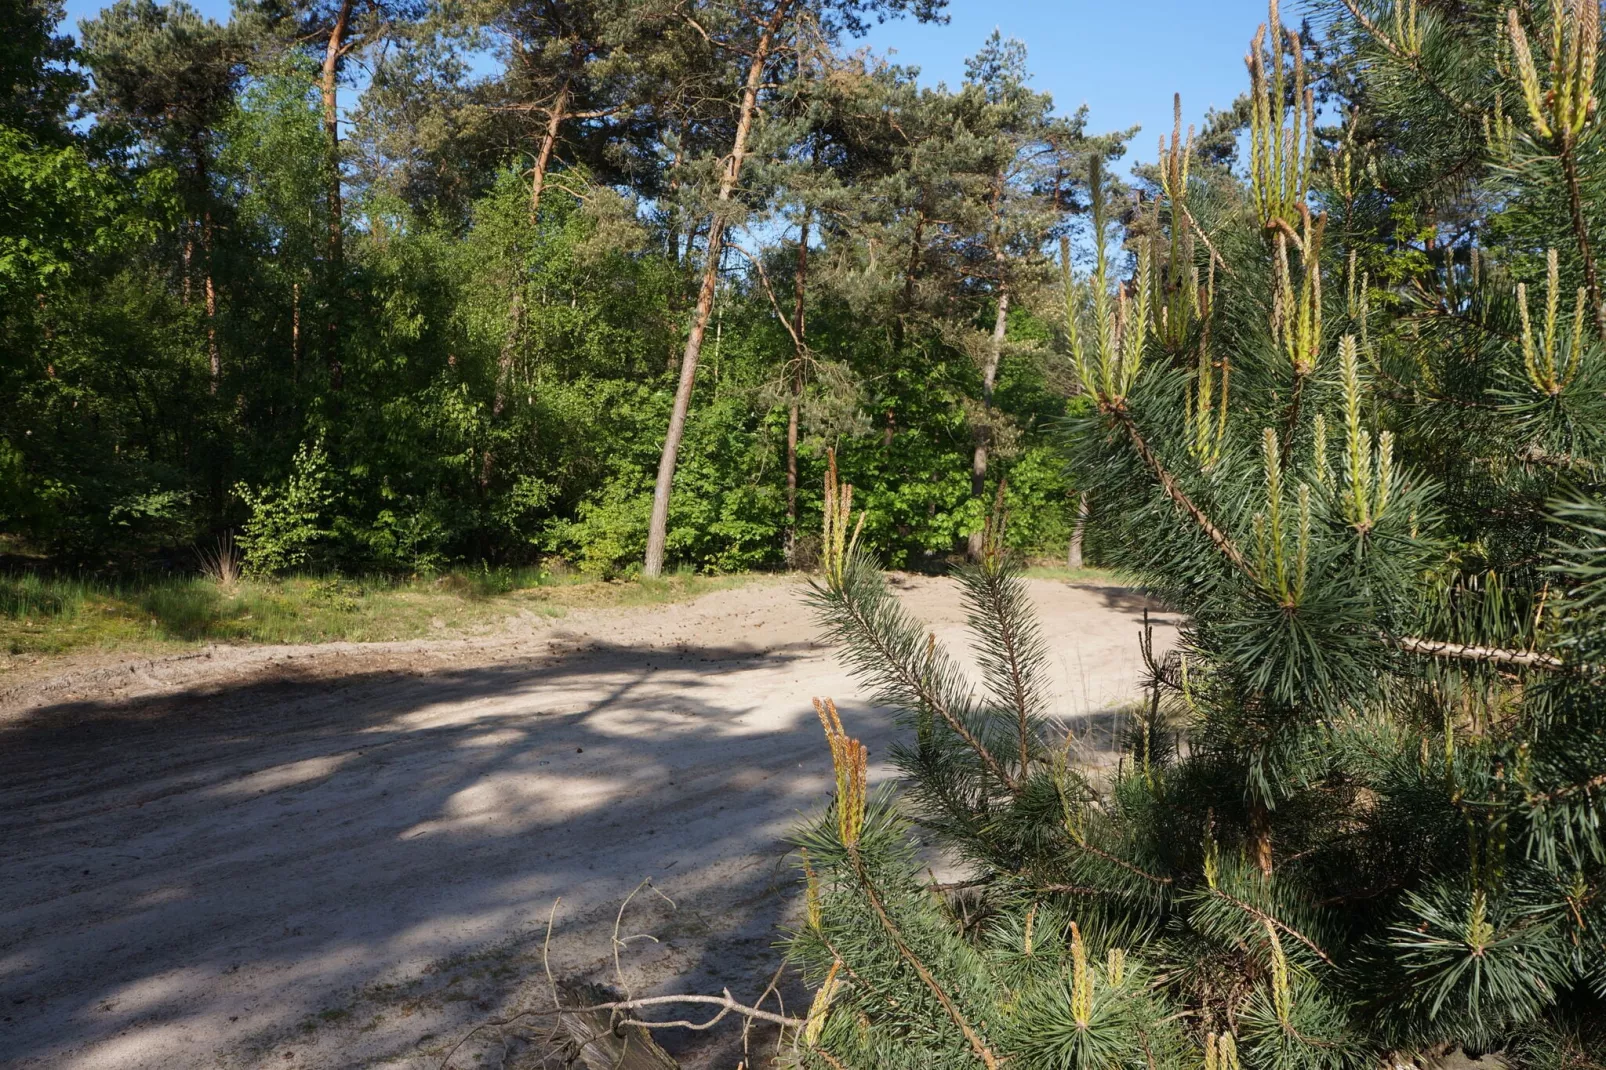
[(1260, 837), (909, 272), (549, 140), (213, 360), (515, 306), (675, 223), (984, 431), (331, 133), (799, 283), (295, 332), (1073, 556), (658, 527)]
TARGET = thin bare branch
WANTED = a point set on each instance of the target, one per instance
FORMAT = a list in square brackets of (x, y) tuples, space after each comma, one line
[(1435, 648), (764, 279), (726, 1002)]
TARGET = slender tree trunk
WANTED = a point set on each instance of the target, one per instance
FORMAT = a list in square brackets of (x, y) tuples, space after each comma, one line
[(331, 132), (984, 430), (658, 527), (909, 272), (188, 256), (295, 332), (510, 345), (799, 284), (504, 369), (515, 306), (674, 190), (1073, 556), (515, 312), (214, 361), (1260, 837)]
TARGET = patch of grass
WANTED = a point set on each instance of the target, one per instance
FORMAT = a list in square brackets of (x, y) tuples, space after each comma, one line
[(1076, 575), (40, 614)]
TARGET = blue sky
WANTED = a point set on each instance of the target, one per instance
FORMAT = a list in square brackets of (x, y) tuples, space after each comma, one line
[(1124, 60)]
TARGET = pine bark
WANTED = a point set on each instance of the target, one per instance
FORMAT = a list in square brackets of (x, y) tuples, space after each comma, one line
[(335, 243), (549, 140), (799, 285), (214, 360), (1073, 556), (658, 526), (984, 428)]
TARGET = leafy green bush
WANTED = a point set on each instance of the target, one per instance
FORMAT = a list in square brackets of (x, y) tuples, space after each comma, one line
[(289, 521)]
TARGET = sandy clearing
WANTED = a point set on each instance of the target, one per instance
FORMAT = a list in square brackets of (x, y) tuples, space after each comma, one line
[(345, 855)]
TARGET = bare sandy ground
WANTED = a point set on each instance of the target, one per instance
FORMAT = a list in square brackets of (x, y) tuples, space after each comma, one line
[(346, 855)]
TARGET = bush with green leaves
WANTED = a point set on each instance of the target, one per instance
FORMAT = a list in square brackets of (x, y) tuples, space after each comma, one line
[(1362, 820), (289, 521)]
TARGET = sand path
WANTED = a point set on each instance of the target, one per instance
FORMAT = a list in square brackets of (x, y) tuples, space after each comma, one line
[(346, 855)]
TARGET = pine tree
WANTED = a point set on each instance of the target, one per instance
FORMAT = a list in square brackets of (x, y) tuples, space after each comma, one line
[(1361, 821)]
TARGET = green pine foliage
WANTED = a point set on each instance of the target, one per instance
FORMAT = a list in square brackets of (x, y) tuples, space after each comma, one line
[(1361, 821)]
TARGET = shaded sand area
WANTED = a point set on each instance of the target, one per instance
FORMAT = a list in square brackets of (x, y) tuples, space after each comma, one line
[(346, 855)]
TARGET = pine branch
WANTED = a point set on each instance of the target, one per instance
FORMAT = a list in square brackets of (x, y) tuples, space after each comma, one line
[(913, 679), (1268, 919), (1575, 208), (1002, 621), (1466, 110), (1586, 787), (977, 1045), (1174, 491), (1226, 268)]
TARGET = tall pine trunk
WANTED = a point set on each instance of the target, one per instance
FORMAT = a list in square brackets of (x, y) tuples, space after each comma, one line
[(549, 140), (336, 248), (658, 526), (1073, 556), (984, 430), (799, 288), (214, 360)]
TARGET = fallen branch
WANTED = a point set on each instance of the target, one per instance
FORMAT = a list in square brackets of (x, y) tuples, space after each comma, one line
[(726, 1002)]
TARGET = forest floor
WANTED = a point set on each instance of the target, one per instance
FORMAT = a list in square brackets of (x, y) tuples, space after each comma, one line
[(346, 855)]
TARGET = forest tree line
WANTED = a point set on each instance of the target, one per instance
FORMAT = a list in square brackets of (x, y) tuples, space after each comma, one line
[(391, 285)]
